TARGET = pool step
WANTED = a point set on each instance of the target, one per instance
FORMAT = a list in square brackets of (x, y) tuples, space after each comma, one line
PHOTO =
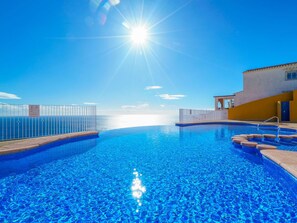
[(242, 142), (253, 143), (288, 140)]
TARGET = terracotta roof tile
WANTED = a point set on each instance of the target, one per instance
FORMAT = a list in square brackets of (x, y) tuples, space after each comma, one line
[(270, 67)]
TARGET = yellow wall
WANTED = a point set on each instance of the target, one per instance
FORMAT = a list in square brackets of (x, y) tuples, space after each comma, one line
[(263, 109), (293, 107)]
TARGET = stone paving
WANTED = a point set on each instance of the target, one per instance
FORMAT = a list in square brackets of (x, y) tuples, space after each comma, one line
[(33, 143)]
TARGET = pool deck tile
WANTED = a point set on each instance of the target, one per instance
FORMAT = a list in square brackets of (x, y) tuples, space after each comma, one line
[(264, 146), (286, 159), (32, 143), (291, 168)]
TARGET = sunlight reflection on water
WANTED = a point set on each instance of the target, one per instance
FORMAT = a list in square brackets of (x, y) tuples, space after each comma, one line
[(124, 121), (137, 188)]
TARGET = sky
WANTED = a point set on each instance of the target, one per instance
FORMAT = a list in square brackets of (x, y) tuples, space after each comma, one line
[(55, 52)]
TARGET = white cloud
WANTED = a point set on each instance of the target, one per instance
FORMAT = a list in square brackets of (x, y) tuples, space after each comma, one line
[(162, 106), (128, 106), (90, 103), (132, 107), (171, 96), (4, 95), (153, 87), (145, 105)]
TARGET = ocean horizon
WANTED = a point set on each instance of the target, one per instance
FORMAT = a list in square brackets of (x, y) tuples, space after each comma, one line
[(17, 127), (108, 122)]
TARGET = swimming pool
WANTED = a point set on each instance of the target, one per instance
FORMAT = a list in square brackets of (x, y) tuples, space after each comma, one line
[(145, 174)]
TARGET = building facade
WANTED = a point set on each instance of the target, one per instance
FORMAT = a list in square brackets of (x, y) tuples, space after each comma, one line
[(268, 91), (266, 82)]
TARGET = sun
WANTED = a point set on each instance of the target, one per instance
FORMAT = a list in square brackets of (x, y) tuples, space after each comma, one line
[(139, 35)]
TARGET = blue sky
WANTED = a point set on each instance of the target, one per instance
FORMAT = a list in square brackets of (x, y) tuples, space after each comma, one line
[(77, 51)]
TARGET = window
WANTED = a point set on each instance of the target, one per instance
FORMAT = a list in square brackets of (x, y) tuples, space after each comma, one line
[(292, 75)]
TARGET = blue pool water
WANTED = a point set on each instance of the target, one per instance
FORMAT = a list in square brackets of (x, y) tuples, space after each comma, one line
[(145, 174)]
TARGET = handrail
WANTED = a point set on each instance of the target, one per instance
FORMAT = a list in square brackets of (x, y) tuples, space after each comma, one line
[(278, 128), (273, 117)]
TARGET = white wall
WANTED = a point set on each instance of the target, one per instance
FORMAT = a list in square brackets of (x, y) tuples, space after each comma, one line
[(264, 83), (239, 98), (194, 116)]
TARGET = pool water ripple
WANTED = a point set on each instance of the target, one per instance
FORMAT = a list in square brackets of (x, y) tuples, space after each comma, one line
[(191, 174)]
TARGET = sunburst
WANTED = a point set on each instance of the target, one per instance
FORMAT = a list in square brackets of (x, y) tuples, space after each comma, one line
[(139, 35)]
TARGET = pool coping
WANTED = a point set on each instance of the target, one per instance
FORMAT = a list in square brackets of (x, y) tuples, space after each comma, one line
[(286, 160), (292, 127), (207, 122), (18, 146)]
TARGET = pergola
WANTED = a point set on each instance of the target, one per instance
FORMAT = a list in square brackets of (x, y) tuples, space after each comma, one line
[(224, 102)]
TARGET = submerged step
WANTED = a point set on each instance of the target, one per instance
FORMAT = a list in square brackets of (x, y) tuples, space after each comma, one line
[(249, 144), (249, 147), (269, 136), (256, 136), (243, 141), (239, 140), (286, 138)]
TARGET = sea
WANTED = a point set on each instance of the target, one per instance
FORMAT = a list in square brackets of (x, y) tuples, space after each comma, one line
[(108, 122), (18, 127)]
